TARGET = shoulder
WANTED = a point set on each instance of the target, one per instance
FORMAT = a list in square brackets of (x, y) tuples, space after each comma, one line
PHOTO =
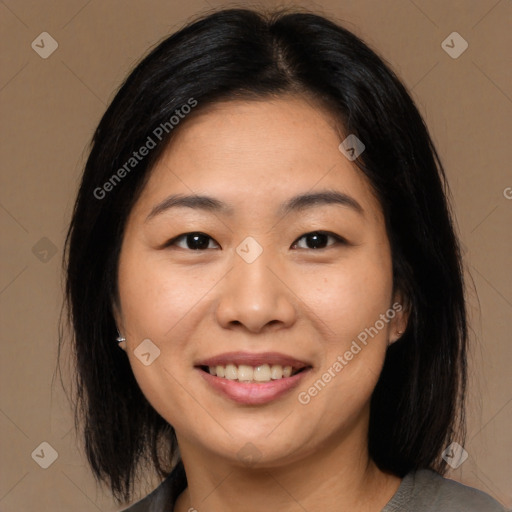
[(426, 491), (162, 498)]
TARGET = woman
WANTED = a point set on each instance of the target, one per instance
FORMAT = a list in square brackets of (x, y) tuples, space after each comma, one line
[(263, 226)]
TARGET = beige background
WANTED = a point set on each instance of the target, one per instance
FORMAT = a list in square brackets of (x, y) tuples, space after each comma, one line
[(49, 110)]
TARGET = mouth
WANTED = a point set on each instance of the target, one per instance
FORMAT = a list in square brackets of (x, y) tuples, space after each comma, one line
[(247, 367), (252, 379), (246, 373)]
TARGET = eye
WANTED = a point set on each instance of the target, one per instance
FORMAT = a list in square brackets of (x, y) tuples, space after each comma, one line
[(318, 239), (195, 241)]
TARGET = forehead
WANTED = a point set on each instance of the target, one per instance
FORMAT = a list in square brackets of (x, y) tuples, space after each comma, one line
[(255, 154)]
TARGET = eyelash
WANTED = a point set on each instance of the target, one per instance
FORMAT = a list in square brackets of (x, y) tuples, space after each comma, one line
[(338, 240)]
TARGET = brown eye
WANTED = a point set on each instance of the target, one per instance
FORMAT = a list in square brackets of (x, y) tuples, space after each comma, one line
[(195, 241), (319, 240)]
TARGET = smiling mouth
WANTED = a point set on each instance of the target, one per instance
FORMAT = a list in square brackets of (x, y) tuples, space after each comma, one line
[(253, 374)]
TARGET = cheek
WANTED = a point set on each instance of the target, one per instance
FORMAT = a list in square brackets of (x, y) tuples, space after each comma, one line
[(157, 304), (351, 296), (349, 304), (155, 299)]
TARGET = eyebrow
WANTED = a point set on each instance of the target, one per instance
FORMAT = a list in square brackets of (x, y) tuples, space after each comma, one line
[(297, 203)]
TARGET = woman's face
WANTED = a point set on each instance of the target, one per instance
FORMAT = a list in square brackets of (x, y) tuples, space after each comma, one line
[(258, 286)]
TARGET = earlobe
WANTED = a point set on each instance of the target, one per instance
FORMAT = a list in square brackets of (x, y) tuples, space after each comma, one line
[(400, 322), (121, 340), (395, 337)]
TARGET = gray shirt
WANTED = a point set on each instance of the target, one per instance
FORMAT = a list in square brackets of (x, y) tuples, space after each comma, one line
[(426, 491), (419, 491)]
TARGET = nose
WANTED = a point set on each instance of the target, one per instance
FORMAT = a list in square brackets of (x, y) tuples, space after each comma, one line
[(256, 296)]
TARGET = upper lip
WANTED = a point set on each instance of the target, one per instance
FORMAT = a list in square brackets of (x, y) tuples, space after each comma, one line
[(253, 359)]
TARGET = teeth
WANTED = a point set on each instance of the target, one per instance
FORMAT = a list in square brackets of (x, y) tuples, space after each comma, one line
[(276, 372), (231, 372), (262, 373), (246, 373)]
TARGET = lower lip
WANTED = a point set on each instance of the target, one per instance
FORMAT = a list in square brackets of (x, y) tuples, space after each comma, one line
[(253, 393)]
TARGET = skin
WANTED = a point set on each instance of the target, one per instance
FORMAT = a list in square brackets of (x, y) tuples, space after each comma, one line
[(294, 299)]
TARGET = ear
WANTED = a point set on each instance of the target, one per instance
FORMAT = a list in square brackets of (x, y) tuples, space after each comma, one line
[(116, 313), (118, 318), (399, 323)]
